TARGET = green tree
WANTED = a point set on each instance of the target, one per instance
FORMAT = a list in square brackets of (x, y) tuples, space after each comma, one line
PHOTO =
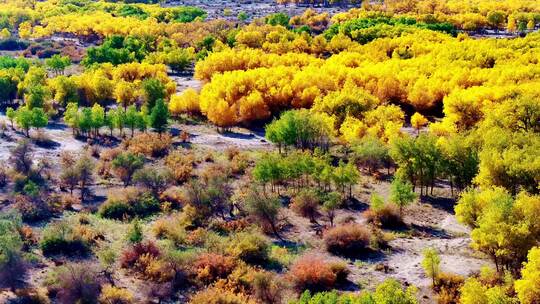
[(401, 194), (269, 169), (58, 63), (39, 118), (331, 204), (125, 165), (85, 167), (24, 119), (98, 118), (496, 19), (431, 264), (153, 90), (11, 115), (132, 118), (345, 176), (242, 16), (278, 19), (71, 116), (86, 122), (179, 60), (159, 118), (370, 152), (35, 96), (154, 179)]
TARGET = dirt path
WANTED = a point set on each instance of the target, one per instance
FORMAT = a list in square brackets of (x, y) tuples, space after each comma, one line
[(59, 138)]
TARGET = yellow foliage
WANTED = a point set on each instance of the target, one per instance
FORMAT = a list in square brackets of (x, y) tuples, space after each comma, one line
[(186, 102)]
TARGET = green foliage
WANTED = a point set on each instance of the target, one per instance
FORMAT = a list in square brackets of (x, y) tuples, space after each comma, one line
[(504, 227), (24, 119), (278, 19), (159, 118), (250, 247), (368, 29), (119, 208), (242, 16), (431, 263), (135, 234), (418, 159), (118, 50), (153, 90), (12, 264), (125, 164), (401, 194), (58, 63), (35, 96), (370, 152), (264, 208), (39, 118), (299, 128), (61, 239), (388, 292)]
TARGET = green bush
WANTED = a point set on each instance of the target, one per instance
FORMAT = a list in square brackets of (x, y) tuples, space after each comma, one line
[(129, 203), (251, 247), (60, 238)]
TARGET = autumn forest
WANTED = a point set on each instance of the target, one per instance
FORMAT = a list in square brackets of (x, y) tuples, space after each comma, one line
[(270, 152)]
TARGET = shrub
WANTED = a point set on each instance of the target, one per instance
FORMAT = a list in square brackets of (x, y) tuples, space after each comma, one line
[(341, 271), (174, 195), (219, 296), (128, 203), (62, 238), (125, 164), (250, 247), (180, 162), (31, 296), (171, 228), (267, 288), (306, 204), (313, 273), (347, 239), (75, 283), (133, 254), (115, 295), (239, 163), (448, 287), (386, 216), (32, 209), (149, 144), (210, 267)]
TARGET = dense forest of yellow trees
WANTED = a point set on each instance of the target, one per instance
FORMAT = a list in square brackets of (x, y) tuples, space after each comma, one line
[(406, 96)]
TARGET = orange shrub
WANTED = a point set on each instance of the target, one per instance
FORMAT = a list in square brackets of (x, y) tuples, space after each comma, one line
[(312, 272), (180, 162), (219, 296), (448, 287), (149, 144), (211, 266), (347, 239)]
